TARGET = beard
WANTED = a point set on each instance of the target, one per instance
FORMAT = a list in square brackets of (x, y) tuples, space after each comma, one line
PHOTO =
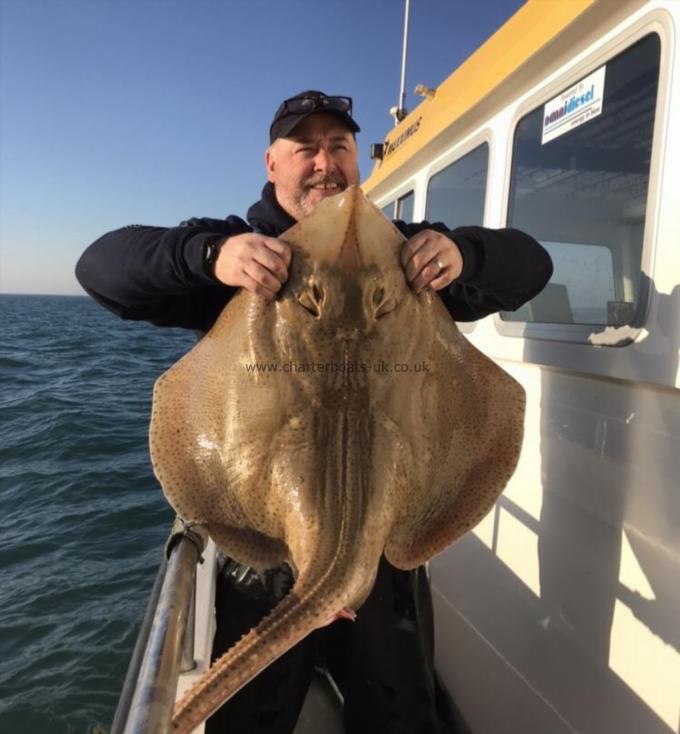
[(309, 196)]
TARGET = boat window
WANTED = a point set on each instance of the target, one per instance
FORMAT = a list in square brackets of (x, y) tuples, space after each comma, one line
[(405, 207), (388, 210), (402, 208), (579, 182), (455, 195)]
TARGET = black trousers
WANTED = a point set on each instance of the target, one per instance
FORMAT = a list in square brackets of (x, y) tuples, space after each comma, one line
[(382, 662)]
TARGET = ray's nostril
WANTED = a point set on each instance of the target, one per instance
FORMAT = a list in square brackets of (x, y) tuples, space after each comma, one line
[(386, 306), (382, 303), (312, 300), (308, 304)]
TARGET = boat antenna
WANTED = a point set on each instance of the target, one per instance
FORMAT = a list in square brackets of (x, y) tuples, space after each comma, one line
[(399, 112)]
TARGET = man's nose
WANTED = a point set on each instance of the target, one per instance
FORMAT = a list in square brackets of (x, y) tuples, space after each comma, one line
[(323, 161)]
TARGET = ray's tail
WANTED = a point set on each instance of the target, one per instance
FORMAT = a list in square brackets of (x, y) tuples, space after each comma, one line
[(341, 576), (298, 614)]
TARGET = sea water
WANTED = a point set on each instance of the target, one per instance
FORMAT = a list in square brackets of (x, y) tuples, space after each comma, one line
[(83, 520)]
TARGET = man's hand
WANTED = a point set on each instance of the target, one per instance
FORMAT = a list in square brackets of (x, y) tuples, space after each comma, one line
[(254, 262), (430, 259)]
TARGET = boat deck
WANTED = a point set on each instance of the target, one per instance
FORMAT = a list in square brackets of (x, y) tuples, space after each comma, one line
[(322, 708)]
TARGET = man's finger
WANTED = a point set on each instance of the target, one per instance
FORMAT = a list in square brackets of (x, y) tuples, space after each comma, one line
[(411, 246), (442, 280), (420, 259), (262, 276), (272, 261), (252, 285), (426, 276), (282, 249)]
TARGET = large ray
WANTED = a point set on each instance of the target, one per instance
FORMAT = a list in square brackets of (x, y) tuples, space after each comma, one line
[(347, 419)]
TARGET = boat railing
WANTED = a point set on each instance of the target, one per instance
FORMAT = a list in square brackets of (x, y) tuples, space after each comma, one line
[(165, 644)]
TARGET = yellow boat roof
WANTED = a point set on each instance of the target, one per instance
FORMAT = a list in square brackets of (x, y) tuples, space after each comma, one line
[(534, 25)]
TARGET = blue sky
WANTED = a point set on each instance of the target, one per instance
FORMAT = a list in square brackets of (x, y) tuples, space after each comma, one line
[(117, 112)]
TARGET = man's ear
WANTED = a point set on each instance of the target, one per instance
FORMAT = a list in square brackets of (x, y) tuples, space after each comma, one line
[(270, 164)]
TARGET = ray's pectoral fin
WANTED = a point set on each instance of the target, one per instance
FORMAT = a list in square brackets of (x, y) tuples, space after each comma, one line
[(207, 478), (474, 452), (249, 546)]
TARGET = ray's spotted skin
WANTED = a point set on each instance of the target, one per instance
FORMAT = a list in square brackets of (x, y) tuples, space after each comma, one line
[(328, 469)]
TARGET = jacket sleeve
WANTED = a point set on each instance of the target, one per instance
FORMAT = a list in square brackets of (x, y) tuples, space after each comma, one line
[(502, 269), (158, 274)]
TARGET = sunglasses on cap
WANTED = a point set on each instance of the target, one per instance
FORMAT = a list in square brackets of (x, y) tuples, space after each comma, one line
[(297, 105)]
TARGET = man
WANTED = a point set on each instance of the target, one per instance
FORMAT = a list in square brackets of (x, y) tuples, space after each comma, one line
[(184, 276)]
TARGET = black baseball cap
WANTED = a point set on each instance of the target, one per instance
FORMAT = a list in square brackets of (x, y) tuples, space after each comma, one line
[(294, 110)]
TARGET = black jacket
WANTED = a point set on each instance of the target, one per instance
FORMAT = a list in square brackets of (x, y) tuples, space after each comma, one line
[(160, 274)]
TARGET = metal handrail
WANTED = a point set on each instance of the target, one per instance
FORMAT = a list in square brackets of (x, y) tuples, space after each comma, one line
[(128, 689), (148, 696), (187, 661)]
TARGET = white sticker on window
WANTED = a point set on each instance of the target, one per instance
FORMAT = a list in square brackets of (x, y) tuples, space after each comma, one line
[(574, 106)]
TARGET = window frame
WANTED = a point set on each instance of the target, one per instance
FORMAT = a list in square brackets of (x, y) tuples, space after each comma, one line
[(454, 155), (398, 202), (404, 189), (592, 334), (451, 156)]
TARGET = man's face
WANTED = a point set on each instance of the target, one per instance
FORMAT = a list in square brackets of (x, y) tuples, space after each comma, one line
[(317, 160)]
